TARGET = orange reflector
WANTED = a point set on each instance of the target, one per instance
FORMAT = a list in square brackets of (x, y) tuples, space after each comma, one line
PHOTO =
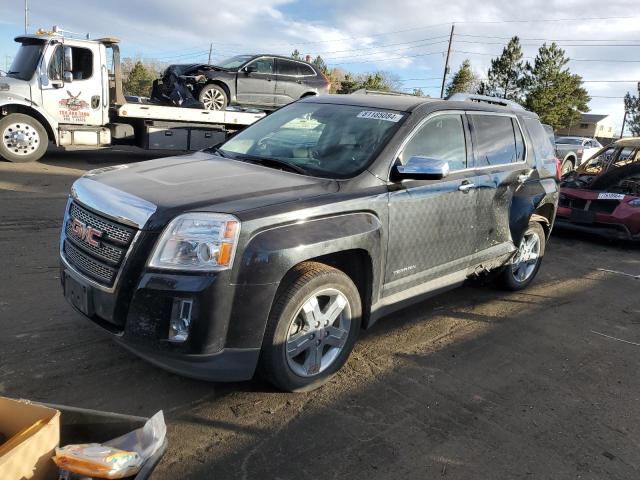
[(224, 257), (230, 229)]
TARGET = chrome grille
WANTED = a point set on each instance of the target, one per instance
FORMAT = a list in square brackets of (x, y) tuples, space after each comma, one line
[(87, 265), (102, 260), (111, 230)]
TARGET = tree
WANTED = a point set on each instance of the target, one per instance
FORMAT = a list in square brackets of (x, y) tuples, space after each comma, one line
[(632, 107), (463, 81), (553, 92), (382, 81), (505, 78), (348, 84), (418, 92), (138, 81), (322, 66), (296, 54)]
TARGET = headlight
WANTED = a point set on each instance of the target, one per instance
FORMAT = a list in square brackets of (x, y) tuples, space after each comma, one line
[(197, 241), (635, 202)]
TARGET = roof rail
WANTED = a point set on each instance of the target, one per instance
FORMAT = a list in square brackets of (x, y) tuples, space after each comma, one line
[(473, 97), (364, 91)]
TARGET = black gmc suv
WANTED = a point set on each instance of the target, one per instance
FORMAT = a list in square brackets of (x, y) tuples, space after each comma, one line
[(275, 248)]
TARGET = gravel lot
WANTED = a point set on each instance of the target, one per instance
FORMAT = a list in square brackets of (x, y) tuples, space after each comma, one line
[(475, 383)]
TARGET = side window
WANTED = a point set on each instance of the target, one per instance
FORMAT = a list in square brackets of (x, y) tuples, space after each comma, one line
[(264, 65), (519, 140), (542, 145), (306, 70), (494, 140), (54, 72), (82, 59), (286, 67), (442, 138)]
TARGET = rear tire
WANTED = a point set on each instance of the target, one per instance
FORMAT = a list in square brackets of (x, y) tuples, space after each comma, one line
[(524, 266), (213, 97), (22, 138), (312, 328)]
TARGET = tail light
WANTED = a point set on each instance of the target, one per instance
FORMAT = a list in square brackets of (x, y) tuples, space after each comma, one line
[(558, 169), (327, 82)]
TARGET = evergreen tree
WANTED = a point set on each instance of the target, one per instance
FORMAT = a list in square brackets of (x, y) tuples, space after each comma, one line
[(553, 92), (418, 92), (463, 81), (348, 84), (322, 66), (632, 107), (506, 76), (296, 54), (138, 81)]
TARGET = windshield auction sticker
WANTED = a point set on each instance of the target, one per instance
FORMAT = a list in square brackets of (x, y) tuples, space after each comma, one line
[(386, 116)]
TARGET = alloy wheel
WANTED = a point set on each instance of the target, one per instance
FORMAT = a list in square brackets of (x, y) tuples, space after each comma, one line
[(318, 332), (527, 257), (213, 99)]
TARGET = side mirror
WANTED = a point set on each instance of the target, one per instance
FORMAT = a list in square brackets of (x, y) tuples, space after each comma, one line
[(68, 65), (422, 168), (250, 69)]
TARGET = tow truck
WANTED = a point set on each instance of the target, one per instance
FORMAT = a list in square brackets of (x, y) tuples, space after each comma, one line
[(68, 91)]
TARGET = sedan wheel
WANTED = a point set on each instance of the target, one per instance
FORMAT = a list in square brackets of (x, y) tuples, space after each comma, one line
[(213, 98)]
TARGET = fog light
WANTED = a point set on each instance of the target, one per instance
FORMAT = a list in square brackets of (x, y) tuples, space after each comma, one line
[(180, 320)]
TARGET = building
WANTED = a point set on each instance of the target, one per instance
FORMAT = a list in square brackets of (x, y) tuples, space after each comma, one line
[(591, 125)]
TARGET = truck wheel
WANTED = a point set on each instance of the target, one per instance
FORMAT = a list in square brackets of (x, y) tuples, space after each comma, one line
[(213, 97), (527, 260), (312, 328), (24, 139), (567, 166)]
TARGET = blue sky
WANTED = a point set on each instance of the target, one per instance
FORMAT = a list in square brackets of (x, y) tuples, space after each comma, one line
[(404, 37)]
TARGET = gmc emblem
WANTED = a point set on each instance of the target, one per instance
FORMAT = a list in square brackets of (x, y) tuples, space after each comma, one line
[(87, 234)]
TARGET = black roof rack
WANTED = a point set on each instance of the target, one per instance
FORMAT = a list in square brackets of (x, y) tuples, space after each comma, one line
[(364, 91), (473, 97)]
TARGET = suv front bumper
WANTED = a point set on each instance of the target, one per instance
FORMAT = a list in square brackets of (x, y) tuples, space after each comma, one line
[(226, 329)]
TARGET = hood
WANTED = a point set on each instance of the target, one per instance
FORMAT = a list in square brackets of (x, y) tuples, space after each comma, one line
[(14, 88), (169, 186)]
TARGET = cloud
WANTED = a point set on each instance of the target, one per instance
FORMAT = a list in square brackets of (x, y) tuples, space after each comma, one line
[(356, 35)]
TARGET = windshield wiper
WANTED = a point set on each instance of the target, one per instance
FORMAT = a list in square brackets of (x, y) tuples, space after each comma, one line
[(273, 162)]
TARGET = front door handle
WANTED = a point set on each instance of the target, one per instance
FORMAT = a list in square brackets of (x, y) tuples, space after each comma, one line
[(465, 187)]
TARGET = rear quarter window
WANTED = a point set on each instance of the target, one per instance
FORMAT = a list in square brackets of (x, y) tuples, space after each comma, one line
[(542, 146)]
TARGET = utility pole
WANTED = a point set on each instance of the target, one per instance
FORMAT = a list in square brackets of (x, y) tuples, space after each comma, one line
[(446, 63), (210, 51), (26, 16)]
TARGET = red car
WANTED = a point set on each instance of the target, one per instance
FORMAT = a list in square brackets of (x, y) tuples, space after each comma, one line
[(603, 195)]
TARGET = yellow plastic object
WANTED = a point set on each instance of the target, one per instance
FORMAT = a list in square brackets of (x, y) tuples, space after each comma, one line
[(98, 461)]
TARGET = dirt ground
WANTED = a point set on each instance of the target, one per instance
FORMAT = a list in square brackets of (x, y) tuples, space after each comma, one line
[(475, 383)]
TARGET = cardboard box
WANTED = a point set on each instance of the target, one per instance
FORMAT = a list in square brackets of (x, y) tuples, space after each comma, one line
[(31, 458)]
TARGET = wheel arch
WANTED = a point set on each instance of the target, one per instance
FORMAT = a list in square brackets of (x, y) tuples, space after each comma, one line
[(10, 108), (535, 201)]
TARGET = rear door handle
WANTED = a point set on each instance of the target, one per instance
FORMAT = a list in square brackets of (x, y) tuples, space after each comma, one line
[(465, 187)]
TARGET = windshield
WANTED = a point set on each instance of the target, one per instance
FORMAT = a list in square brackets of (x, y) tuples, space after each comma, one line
[(569, 141), (26, 60), (325, 140), (234, 62)]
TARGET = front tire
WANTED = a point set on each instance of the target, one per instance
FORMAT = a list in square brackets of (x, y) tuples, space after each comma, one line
[(213, 97), (312, 328), (524, 266), (22, 138)]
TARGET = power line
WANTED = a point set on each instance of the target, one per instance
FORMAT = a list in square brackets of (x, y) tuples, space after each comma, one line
[(603, 60), (549, 39), (392, 58), (382, 52)]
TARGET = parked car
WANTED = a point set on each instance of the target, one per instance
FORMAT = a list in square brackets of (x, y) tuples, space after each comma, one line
[(262, 81), (273, 249), (573, 151), (603, 195)]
